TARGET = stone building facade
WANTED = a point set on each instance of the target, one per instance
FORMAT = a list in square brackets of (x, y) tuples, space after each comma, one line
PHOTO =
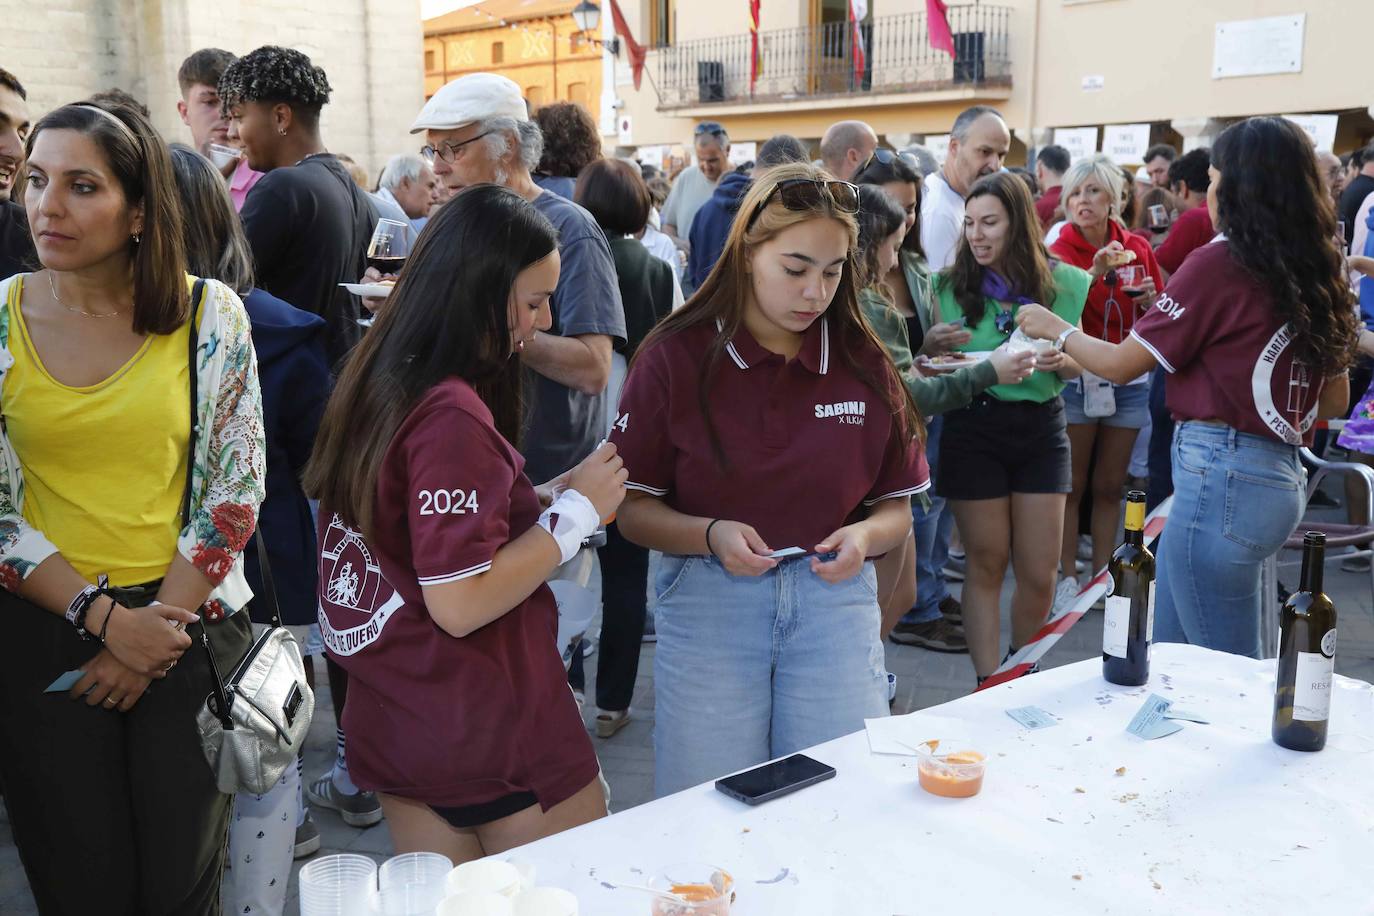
[(64, 50)]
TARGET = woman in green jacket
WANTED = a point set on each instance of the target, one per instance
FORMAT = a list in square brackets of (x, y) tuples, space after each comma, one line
[(882, 228)]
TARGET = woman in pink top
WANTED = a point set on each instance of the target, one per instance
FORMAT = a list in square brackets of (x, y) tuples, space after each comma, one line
[(1256, 329)]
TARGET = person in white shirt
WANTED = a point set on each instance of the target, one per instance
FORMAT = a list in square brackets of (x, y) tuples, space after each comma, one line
[(978, 144), (409, 182), (697, 183)]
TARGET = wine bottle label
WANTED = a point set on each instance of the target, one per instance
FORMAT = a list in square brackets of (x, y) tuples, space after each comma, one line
[(1312, 687), (1116, 623)]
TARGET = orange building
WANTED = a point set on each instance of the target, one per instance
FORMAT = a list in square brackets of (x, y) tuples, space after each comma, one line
[(536, 43)]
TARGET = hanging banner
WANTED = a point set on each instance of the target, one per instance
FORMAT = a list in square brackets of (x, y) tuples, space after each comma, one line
[(1079, 141), (1320, 127)]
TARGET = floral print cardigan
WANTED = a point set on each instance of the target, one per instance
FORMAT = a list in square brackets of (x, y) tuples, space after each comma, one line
[(228, 466)]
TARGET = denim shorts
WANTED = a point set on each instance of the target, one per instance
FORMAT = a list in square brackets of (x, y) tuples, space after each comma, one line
[(1132, 406)]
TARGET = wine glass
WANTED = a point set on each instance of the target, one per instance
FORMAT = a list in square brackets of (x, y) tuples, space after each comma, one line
[(390, 246)]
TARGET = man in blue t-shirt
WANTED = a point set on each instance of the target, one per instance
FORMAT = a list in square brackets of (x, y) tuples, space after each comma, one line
[(478, 131)]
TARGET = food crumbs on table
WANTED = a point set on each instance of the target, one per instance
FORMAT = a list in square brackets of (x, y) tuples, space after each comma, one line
[(745, 830), (1054, 820), (1077, 877), (1079, 790), (1121, 771), (1158, 886)]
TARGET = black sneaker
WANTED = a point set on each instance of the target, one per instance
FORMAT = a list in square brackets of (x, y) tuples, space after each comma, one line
[(953, 611), (936, 635)]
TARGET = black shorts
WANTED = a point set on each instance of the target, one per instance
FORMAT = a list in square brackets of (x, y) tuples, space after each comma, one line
[(477, 815), (993, 448)]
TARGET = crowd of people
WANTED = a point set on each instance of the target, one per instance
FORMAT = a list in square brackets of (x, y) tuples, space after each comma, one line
[(806, 393)]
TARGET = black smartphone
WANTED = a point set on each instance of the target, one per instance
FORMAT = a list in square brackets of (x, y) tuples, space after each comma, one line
[(776, 779)]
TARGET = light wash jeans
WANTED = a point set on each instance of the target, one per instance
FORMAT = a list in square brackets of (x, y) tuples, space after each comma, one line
[(748, 669), (1237, 498)]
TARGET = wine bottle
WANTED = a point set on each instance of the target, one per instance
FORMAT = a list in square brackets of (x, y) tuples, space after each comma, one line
[(1128, 627), (1307, 656)]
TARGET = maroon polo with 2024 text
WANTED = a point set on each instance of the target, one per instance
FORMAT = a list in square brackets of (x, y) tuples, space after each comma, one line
[(808, 445)]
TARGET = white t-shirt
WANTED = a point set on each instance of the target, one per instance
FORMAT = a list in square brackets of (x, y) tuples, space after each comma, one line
[(942, 221), (690, 191), (1053, 235)]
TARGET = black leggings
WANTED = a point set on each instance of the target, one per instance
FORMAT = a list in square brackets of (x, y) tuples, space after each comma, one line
[(114, 813)]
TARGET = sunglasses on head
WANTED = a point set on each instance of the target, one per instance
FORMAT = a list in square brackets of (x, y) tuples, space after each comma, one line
[(709, 127), (883, 156), (802, 194)]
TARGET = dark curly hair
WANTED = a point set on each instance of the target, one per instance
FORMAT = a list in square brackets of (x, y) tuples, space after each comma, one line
[(274, 74), (1281, 225), (571, 139)]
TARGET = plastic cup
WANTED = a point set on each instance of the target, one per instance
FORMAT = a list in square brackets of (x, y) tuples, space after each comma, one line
[(484, 876), (426, 869), (957, 775), (222, 155), (338, 885), (526, 870), (469, 904), (546, 901), (706, 890)]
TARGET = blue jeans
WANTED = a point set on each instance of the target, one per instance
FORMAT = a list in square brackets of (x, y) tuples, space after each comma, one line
[(748, 669), (933, 527), (1237, 498), (1161, 442)]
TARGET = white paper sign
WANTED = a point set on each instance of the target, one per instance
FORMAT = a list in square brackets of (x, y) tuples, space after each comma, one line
[(1253, 47), (1321, 128), (1079, 141), (1095, 83), (1126, 143), (741, 153), (939, 145)]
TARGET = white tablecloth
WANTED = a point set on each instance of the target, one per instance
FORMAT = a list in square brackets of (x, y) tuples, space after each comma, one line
[(1213, 819)]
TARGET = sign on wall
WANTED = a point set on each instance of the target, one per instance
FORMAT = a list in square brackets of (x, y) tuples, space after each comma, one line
[(1126, 143), (1256, 47), (741, 153), (1079, 141), (939, 145), (1320, 127)]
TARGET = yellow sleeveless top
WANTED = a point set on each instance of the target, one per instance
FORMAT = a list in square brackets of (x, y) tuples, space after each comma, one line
[(104, 465)]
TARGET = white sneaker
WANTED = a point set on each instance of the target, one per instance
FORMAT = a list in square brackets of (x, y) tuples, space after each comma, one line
[(1085, 548), (1065, 593)]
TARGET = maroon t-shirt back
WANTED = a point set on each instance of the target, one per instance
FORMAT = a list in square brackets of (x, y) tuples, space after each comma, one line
[(1190, 231), (808, 443), (444, 720), (1229, 355)]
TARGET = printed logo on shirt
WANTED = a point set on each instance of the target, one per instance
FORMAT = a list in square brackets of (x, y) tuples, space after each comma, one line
[(849, 413), (352, 585), (1280, 397), (447, 502), (1170, 306)]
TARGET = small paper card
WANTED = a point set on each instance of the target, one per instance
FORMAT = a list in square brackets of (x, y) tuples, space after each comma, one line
[(1032, 717), (1186, 716), (1150, 722), (65, 681)]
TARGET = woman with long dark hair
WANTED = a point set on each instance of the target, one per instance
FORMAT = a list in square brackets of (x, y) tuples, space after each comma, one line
[(1256, 331), (124, 516), (1005, 458), (433, 550), (765, 416)]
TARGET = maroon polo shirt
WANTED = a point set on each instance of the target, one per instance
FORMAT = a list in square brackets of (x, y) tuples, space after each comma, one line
[(808, 445), (1228, 353), (440, 719), (1190, 231)]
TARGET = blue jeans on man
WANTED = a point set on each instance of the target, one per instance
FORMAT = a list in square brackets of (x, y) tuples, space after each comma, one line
[(933, 528)]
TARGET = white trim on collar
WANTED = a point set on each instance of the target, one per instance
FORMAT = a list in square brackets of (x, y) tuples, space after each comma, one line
[(730, 347), (825, 345)]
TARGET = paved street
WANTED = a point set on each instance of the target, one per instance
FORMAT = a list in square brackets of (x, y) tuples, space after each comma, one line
[(924, 679)]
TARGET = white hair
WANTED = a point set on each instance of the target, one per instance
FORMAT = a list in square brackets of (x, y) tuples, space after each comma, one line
[(403, 167), (1101, 168), (506, 134)]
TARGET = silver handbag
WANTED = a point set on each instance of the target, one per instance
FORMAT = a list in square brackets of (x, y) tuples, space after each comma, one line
[(253, 723)]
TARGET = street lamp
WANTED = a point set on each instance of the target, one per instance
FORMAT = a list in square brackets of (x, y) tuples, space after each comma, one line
[(587, 15)]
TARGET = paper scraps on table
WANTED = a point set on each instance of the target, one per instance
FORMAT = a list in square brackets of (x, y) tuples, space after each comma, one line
[(1032, 717), (907, 735), (1151, 722)]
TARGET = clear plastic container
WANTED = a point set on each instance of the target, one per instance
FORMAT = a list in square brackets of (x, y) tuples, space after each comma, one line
[(469, 904), (487, 876), (412, 884), (956, 775), (545, 901), (705, 890), (339, 885)]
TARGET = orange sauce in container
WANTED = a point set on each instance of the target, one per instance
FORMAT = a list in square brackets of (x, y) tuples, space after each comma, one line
[(957, 775)]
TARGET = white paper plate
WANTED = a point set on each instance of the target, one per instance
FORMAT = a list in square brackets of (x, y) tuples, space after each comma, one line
[(370, 290)]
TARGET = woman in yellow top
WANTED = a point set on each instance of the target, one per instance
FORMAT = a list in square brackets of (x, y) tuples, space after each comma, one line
[(121, 521)]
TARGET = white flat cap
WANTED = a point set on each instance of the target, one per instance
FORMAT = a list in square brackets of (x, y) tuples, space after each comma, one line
[(471, 98)]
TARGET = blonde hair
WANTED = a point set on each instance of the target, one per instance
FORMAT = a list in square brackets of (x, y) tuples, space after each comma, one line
[(1101, 168)]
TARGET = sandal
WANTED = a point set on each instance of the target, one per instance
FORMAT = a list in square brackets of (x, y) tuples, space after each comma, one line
[(610, 721)]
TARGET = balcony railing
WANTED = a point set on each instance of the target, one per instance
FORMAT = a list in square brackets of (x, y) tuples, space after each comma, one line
[(818, 61)]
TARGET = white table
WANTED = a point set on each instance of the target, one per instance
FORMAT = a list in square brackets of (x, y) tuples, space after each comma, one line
[(1213, 819)]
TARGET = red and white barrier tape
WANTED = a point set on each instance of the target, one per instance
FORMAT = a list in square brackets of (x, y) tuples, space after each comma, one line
[(1333, 425), (1061, 623)]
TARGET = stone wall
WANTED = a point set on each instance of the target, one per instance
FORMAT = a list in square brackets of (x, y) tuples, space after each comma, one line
[(63, 50)]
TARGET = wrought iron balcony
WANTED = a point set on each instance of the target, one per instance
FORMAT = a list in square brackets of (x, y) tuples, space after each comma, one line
[(819, 61)]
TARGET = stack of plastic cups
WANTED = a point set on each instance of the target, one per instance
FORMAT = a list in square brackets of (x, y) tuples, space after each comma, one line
[(413, 884), (340, 885)]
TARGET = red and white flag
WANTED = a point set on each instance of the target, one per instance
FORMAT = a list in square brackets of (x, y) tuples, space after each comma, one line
[(858, 9), (753, 43), (937, 26)]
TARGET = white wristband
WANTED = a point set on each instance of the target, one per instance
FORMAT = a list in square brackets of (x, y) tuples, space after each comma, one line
[(571, 519)]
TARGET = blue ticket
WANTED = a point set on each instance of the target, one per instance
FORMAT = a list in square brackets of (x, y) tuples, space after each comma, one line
[(1032, 717), (65, 681), (1151, 721)]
